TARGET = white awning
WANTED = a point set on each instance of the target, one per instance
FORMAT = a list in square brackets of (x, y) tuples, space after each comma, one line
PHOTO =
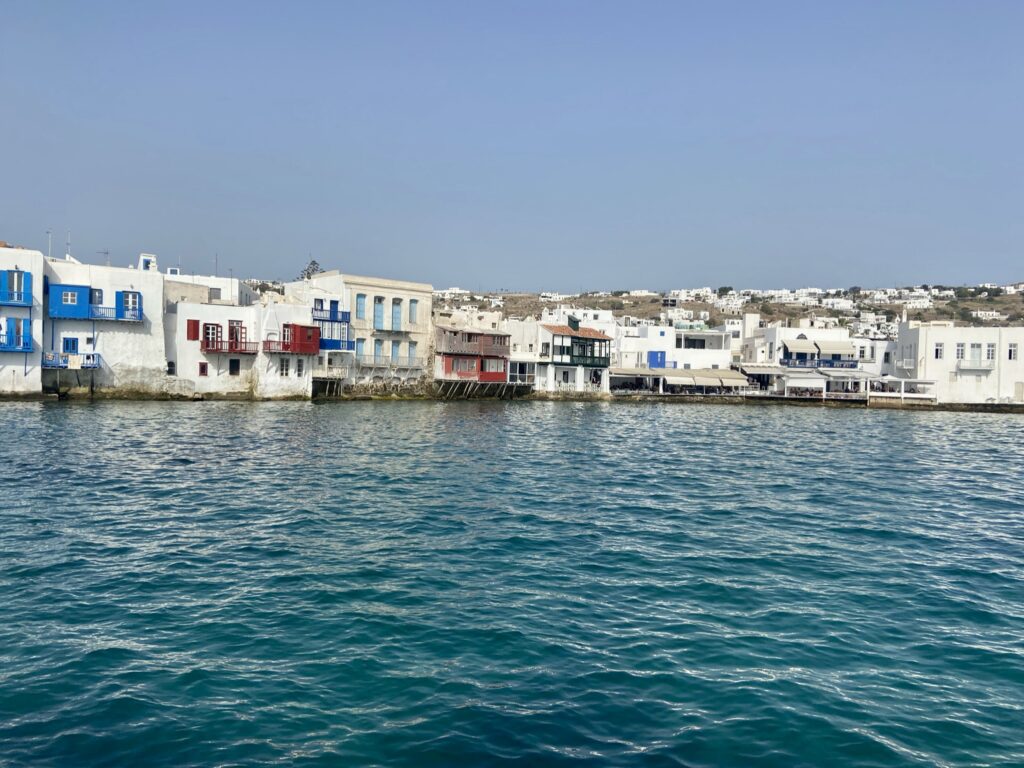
[(730, 382), (761, 369), (679, 381), (805, 346), (805, 382), (844, 347), (707, 381)]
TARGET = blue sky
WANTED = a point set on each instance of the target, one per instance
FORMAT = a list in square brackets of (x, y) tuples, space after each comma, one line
[(562, 145)]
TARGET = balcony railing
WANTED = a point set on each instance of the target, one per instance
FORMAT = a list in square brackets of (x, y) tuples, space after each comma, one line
[(15, 343), (581, 359), (974, 364), (293, 347), (907, 363), (522, 378), (89, 360), (220, 346), (16, 298), (131, 315), (331, 315), (338, 345), (792, 362), (384, 361)]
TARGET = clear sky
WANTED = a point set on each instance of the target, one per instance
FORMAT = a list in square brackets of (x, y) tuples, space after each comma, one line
[(555, 144)]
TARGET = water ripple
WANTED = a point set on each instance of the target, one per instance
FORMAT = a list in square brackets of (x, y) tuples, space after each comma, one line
[(525, 583)]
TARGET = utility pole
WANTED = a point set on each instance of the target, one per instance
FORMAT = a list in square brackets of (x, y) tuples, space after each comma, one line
[(105, 253)]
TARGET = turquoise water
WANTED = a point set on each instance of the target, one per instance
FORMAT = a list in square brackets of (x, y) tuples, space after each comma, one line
[(529, 583)]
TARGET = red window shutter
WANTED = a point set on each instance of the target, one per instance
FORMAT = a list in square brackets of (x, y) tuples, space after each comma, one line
[(193, 330)]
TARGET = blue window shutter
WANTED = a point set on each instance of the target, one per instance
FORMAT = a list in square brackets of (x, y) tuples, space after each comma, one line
[(28, 287), (3, 280), (119, 305)]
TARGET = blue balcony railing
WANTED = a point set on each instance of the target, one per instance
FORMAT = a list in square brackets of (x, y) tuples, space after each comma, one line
[(792, 362), (331, 316), (16, 298), (89, 360), (10, 343), (97, 312), (339, 345)]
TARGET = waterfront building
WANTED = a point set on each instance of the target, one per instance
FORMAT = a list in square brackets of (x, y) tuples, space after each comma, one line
[(104, 327), (471, 360), (966, 364), (21, 320), (391, 326), (569, 357), (264, 350)]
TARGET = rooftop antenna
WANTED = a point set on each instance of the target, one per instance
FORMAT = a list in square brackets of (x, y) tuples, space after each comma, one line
[(49, 243), (105, 253), (67, 245), (215, 264)]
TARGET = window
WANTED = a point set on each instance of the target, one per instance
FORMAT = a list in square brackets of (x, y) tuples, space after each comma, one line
[(132, 301), (960, 350), (172, 368), (90, 341), (70, 346), (204, 369), (96, 296), (990, 352), (545, 348), (360, 306), (493, 365), (530, 347), (299, 365), (414, 306), (976, 351), (318, 304), (234, 366), (192, 330), (360, 347), (378, 313), (69, 297), (285, 366), (215, 294), (396, 314), (211, 333), (860, 353), (1011, 353), (412, 350), (939, 350), (396, 350), (887, 357), (378, 350)]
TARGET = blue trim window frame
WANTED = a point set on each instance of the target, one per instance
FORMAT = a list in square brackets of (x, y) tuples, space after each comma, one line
[(396, 314), (360, 347), (396, 351), (69, 345), (360, 306), (69, 298), (378, 313), (414, 306)]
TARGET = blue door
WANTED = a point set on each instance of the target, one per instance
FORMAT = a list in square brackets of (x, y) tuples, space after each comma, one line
[(334, 309), (396, 315), (378, 350), (378, 313), (655, 359)]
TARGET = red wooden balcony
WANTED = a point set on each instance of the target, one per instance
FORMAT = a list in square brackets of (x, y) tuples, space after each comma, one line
[(293, 347), (227, 347)]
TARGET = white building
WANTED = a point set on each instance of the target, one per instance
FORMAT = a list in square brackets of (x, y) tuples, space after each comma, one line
[(392, 329), (21, 320), (967, 364), (566, 358)]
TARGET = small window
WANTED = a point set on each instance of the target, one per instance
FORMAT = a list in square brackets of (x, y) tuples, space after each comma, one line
[(299, 366), (215, 294), (886, 357), (70, 346), (990, 352), (234, 366), (69, 297), (414, 306), (360, 306), (960, 351), (1011, 353), (90, 341), (285, 366), (172, 368), (939, 350), (96, 296), (204, 369)]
